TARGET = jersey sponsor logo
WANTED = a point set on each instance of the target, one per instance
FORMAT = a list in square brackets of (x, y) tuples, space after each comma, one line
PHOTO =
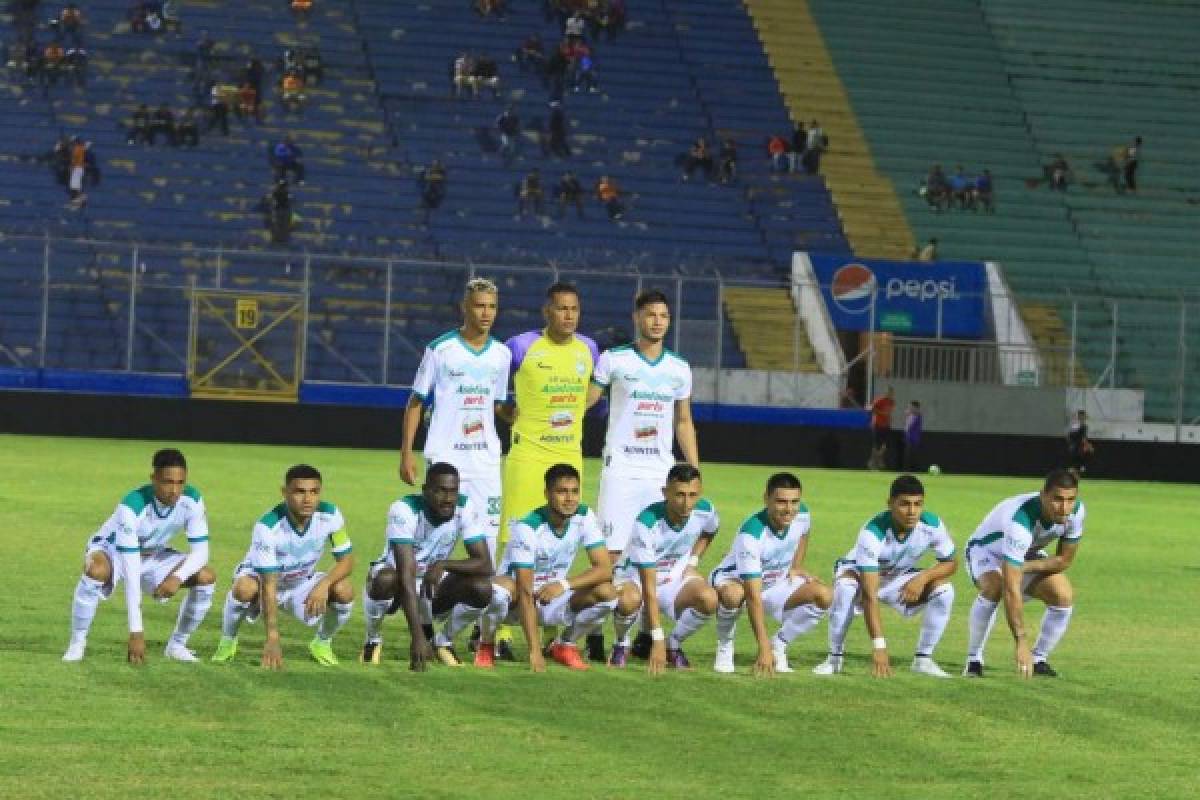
[(631, 450), (557, 438), (477, 388), (561, 419), (540, 365), (645, 432), (467, 447), (472, 426), (652, 407), (493, 505)]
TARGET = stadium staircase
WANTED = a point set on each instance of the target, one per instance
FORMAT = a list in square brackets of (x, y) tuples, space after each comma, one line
[(874, 222), (1090, 76), (767, 329)]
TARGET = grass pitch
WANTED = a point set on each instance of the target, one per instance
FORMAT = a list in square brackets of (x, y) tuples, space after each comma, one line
[(1122, 721)]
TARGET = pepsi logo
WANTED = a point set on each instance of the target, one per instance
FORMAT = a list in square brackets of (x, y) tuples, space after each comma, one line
[(853, 288)]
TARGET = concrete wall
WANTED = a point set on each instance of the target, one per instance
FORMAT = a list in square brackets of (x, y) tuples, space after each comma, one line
[(747, 387), (966, 408)]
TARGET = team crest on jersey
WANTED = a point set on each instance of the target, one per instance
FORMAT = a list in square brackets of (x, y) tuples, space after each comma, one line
[(472, 426)]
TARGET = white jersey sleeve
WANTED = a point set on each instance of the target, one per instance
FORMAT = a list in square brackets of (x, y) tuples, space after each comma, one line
[(197, 524), (262, 550), (522, 548), (427, 373), (197, 536), (1074, 530), (500, 385), (126, 520), (475, 523), (684, 389), (941, 544), (747, 553), (1017, 539), (641, 553), (590, 534), (401, 524), (339, 540), (867, 550), (602, 371)]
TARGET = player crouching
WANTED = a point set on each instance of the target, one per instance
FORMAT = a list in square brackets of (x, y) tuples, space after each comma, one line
[(659, 573), (882, 568), (764, 573), (279, 571), (534, 573)]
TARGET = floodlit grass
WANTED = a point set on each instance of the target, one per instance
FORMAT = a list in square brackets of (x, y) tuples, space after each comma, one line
[(1122, 721)]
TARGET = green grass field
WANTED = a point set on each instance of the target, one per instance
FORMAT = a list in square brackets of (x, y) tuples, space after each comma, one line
[(1122, 721)]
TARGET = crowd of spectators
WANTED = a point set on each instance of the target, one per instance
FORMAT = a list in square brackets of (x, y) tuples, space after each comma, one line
[(959, 191), (800, 152), (57, 57)]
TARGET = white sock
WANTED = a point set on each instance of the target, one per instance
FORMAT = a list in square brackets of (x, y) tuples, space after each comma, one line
[(461, 616), (983, 615), (374, 611), (799, 621), (83, 608), (586, 620), (690, 621), (727, 623), (622, 624), (934, 619), (232, 616), (494, 614), (336, 615), (841, 614), (192, 611), (1054, 625)]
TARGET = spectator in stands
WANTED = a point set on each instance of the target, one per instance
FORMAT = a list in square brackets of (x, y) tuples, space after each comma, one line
[(71, 23), (162, 122), (433, 185), (799, 143), (929, 252), (936, 189), (777, 149), (570, 192), (531, 55), (914, 424), (247, 102), (301, 9), (573, 29), (960, 186), (816, 143), (583, 73), (1079, 446), (1129, 165), (698, 155), (462, 75), (32, 60), (139, 126), (75, 66), (171, 18), (218, 109), (508, 125), (139, 17), (727, 161), (277, 212), (1058, 173), (188, 131), (556, 71), (285, 157), (78, 153), (53, 62), (486, 74), (530, 194), (983, 193), (612, 18), (557, 126), (881, 429), (291, 91), (202, 58), (312, 66), (609, 194)]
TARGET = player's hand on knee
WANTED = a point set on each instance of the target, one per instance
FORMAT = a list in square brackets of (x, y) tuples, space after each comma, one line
[(911, 594), (317, 600), (137, 648), (167, 588)]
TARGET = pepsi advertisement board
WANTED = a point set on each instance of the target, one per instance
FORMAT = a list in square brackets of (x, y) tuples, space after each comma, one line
[(914, 298)]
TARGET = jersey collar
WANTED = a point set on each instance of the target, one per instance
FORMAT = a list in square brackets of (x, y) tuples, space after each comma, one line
[(642, 356), (469, 348)]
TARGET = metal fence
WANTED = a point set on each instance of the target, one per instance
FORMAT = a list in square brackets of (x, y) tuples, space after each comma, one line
[(129, 307)]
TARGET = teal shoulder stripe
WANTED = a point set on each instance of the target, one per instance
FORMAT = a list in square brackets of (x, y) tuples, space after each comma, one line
[(326, 508), (583, 509), (137, 500), (755, 525), (804, 508), (705, 505), (473, 539), (448, 335), (651, 514), (1029, 513), (930, 518), (272, 517), (462, 501), (414, 501), (535, 519), (192, 492), (676, 356), (879, 524), (197, 539), (129, 549)]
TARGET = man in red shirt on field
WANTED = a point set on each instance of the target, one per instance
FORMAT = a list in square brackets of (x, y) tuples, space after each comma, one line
[(881, 427)]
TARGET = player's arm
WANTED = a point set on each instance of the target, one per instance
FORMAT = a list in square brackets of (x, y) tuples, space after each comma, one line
[(477, 563), (796, 569), (528, 616), (197, 557), (412, 422), (318, 599), (1017, 541), (657, 662), (1059, 562), (881, 664), (506, 412), (764, 664), (406, 596), (594, 393), (685, 432), (272, 655), (703, 542), (939, 571), (129, 554)]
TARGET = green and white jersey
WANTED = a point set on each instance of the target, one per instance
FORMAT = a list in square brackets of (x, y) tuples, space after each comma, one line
[(1015, 530), (409, 524), (880, 548), (641, 417), (535, 545), (142, 524), (464, 385), (277, 546), (761, 552), (657, 544)]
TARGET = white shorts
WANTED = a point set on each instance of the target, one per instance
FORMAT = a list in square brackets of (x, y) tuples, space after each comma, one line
[(774, 597), (981, 561), (666, 592), (156, 566), (424, 604), (620, 501), (554, 614), (290, 596), (485, 494), (76, 182)]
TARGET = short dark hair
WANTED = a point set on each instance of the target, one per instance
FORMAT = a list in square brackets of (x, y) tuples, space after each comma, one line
[(1060, 479), (906, 484), (561, 287), (683, 473), (168, 457), (558, 472), (649, 296), (438, 469), (783, 480), (301, 472)]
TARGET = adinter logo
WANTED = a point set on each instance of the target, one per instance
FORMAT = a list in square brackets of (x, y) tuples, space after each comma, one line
[(855, 284)]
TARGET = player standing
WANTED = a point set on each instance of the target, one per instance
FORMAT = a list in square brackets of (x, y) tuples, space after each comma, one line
[(659, 573), (464, 374), (132, 546), (551, 369), (415, 572), (882, 568), (764, 572), (1007, 561), (650, 389), (280, 571)]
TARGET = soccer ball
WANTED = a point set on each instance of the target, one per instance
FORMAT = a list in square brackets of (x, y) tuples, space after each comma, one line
[(934, 469)]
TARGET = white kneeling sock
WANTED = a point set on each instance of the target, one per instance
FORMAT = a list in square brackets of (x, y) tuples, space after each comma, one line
[(336, 615), (841, 614), (690, 621), (622, 624), (1054, 625), (586, 620), (727, 623), (460, 617), (934, 619), (374, 611), (799, 621), (494, 614), (192, 611), (983, 616), (232, 615), (88, 593)]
